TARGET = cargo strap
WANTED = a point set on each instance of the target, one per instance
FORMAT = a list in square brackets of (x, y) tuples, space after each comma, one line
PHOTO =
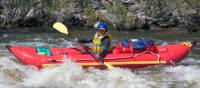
[(158, 56)]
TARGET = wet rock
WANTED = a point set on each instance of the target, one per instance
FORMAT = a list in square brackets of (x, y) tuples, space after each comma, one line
[(75, 21), (108, 16), (133, 8), (183, 29), (31, 22), (165, 21), (180, 29), (193, 28), (140, 24), (142, 21), (108, 1), (30, 13)]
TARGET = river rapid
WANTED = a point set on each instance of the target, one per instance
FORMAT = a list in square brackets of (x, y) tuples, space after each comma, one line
[(14, 74)]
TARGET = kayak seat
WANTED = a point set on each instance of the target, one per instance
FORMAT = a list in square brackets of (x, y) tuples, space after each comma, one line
[(43, 51)]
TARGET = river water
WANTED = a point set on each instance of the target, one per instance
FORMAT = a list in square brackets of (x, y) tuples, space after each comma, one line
[(14, 74)]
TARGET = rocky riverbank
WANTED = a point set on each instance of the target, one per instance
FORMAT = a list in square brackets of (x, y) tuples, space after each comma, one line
[(173, 15)]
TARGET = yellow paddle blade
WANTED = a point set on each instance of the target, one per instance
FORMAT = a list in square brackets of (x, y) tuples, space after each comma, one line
[(109, 65), (61, 28)]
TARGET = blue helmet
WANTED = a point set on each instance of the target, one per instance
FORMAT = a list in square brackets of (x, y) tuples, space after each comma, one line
[(102, 25)]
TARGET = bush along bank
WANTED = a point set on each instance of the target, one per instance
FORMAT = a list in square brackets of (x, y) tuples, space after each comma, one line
[(120, 14)]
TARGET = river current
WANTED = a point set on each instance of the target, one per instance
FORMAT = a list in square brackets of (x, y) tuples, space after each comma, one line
[(14, 74)]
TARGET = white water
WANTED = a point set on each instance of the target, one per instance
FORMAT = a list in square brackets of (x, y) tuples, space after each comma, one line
[(14, 74), (71, 75)]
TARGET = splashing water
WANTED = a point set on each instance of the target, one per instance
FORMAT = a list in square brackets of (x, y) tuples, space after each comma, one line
[(70, 75), (15, 74)]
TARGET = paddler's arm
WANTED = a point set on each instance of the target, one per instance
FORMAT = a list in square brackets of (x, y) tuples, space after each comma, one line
[(86, 40)]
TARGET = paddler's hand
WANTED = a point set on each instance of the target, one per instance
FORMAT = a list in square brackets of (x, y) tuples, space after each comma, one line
[(97, 56)]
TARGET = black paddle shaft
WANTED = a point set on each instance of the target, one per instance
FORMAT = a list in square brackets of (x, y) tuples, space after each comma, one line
[(87, 49)]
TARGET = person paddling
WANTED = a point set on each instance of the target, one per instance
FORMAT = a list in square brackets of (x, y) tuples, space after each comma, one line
[(101, 41)]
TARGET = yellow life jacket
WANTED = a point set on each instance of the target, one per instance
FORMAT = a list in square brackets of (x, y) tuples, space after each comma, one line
[(97, 43)]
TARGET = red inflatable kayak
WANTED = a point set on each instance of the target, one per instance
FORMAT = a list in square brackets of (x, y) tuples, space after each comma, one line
[(120, 57)]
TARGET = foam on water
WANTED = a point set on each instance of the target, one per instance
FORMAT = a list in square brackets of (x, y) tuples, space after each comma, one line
[(189, 75), (70, 75), (11, 73), (6, 86), (52, 76)]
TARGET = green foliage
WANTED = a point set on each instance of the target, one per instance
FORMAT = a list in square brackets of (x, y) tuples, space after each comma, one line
[(52, 5), (156, 6), (198, 27), (195, 1), (130, 22), (90, 13), (20, 3), (120, 10), (48, 4)]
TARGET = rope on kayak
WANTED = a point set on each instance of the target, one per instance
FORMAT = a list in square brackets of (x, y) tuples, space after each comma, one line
[(158, 56)]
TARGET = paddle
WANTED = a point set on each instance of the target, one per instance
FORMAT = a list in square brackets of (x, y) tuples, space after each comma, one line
[(90, 52), (63, 29)]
